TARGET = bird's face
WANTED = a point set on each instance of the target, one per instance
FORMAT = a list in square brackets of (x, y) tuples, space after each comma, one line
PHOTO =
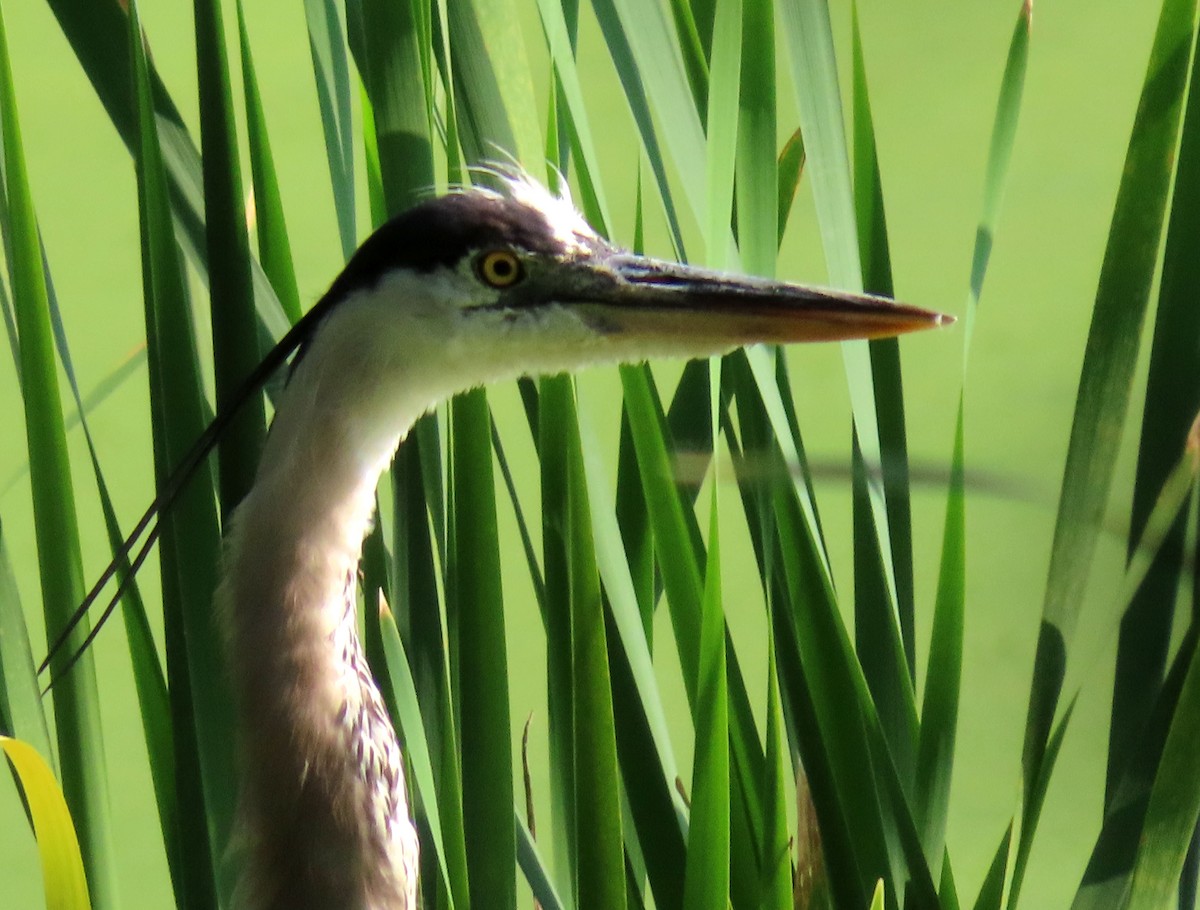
[(517, 283)]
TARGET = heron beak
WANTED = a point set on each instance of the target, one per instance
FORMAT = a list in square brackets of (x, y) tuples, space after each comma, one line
[(647, 297)]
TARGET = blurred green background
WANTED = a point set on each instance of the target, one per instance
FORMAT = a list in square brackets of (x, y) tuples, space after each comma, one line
[(934, 70)]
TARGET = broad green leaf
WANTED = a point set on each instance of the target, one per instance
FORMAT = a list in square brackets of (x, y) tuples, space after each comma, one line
[(1174, 806), (1126, 277), (62, 866), (1171, 401)]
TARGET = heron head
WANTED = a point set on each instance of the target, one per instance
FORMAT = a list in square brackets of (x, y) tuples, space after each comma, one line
[(516, 282)]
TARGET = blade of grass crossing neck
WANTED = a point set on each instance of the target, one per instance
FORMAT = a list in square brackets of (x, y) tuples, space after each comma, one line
[(707, 879), (331, 72), (416, 749), (274, 248), (884, 640), (1126, 276), (21, 712), (66, 886), (76, 701), (1172, 399), (939, 712), (814, 74), (231, 293), (1174, 805), (201, 704)]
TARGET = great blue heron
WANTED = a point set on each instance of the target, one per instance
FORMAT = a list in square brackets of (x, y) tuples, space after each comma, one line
[(462, 290)]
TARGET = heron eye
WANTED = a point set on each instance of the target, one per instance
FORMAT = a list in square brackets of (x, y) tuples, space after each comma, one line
[(500, 268)]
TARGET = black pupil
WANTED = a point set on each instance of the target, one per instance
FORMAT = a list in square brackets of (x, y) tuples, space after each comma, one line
[(502, 267)]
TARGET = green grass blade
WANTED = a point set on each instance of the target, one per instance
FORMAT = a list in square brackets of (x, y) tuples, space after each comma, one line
[(201, 702), (331, 71), (416, 747), (884, 637), (758, 174), (939, 712), (21, 712), (391, 69), (814, 74), (723, 103), (943, 678), (1174, 806), (482, 689), (776, 889), (108, 384), (231, 291), (649, 769), (494, 89), (62, 866), (791, 168), (622, 55), (552, 412), (644, 48), (1171, 401), (98, 34), (76, 701), (1125, 280), (600, 859), (149, 680), (991, 892), (707, 879), (274, 248), (1107, 878), (535, 870)]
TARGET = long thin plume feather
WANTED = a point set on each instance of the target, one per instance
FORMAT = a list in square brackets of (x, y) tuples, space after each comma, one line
[(148, 529)]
